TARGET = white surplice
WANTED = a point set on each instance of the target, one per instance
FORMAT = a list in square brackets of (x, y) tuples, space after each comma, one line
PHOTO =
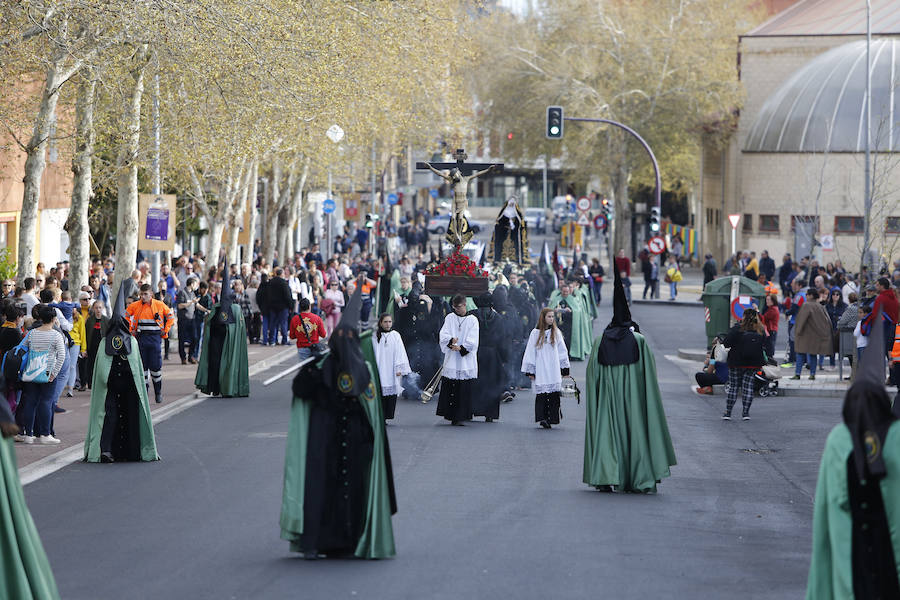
[(546, 362), (390, 356), (465, 330)]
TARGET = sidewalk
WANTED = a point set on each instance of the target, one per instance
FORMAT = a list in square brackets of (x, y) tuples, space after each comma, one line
[(827, 383), (178, 386), (689, 288)]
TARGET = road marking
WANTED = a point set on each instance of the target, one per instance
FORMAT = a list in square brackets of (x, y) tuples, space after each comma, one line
[(56, 461)]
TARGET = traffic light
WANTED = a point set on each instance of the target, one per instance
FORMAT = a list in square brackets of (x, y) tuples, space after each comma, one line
[(653, 221), (605, 207), (371, 219), (554, 122)]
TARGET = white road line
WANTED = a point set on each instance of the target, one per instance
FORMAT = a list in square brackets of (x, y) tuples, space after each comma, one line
[(56, 461)]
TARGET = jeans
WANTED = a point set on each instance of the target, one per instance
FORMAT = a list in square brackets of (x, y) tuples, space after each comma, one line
[(186, 340), (770, 344), (626, 283), (70, 375), (304, 353), (673, 290), (37, 407), (264, 336), (278, 323), (366, 309), (598, 285), (807, 358)]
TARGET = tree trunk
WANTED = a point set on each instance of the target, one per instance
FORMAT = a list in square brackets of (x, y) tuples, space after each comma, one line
[(284, 233), (82, 192), (35, 163), (269, 239), (236, 219), (214, 242), (126, 162), (622, 237), (254, 211)]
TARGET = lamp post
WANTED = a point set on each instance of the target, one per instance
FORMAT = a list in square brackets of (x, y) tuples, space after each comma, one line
[(867, 200)]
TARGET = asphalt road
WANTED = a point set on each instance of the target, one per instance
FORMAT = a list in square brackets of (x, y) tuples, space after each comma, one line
[(485, 511)]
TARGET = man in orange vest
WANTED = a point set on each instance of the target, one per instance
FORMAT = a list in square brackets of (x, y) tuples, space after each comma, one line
[(150, 323)]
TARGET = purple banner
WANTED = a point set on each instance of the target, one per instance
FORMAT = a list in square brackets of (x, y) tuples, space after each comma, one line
[(157, 224)]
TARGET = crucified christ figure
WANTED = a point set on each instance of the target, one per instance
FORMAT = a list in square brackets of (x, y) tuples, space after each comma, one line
[(458, 230)]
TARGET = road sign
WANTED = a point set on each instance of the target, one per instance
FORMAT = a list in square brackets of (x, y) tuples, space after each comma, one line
[(328, 206), (584, 204), (392, 199), (584, 219), (734, 219), (434, 193), (656, 245), (740, 304), (599, 222)]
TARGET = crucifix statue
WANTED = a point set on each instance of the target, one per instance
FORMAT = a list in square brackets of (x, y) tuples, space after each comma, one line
[(458, 177)]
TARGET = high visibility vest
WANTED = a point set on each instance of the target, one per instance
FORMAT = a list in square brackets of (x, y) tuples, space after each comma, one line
[(895, 348), (150, 318)]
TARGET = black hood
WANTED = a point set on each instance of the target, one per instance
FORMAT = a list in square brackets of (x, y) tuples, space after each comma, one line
[(618, 345), (118, 333), (500, 298), (346, 366), (483, 300), (224, 313)]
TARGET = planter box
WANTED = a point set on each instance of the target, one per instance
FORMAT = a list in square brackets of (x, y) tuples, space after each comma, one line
[(449, 285)]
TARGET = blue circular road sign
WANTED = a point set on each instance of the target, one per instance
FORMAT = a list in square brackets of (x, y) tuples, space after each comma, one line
[(392, 199), (434, 193), (328, 206)]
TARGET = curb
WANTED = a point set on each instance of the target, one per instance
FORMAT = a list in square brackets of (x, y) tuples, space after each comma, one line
[(696, 303), (692, 354), (74, 453)]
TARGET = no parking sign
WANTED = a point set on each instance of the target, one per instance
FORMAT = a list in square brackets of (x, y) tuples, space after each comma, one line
[(740, 304)]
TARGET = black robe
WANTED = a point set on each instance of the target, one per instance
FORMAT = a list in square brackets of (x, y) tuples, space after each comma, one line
[(339, 452), (492, 377), (419, 328), (565, 319), (121, 433), (217, 332)]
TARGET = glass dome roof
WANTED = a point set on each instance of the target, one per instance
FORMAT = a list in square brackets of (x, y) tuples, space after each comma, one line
[(821, 106)]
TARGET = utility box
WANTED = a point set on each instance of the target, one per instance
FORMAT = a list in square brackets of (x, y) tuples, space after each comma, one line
[(718, 297)]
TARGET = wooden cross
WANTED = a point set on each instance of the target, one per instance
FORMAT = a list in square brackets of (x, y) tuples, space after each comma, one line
[(464, 168)]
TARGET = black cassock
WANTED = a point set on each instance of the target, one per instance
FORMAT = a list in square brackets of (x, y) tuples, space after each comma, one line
[(419, 328), (121, 434), (492, 377), (526, 314), (217, 332), (565, 318), (338, 456)]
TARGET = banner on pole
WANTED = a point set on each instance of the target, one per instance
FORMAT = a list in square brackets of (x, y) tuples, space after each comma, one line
[(156, 230)]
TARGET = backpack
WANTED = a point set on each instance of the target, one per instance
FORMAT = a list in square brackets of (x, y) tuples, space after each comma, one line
[(13, 362)]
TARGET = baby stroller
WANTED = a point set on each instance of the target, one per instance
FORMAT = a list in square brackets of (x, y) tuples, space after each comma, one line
[(765, 381)]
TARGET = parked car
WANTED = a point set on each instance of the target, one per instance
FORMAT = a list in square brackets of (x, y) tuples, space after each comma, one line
[(438, 224), (536, 219)]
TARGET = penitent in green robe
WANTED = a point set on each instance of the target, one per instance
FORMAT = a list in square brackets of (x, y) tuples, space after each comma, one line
[(580, 346), (234, 371), (831, 571), (587, 298), (377, 539), (102, 366), (626, 437), (24, 570)]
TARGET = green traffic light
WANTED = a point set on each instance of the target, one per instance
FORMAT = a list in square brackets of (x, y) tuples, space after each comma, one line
[(554, 130)]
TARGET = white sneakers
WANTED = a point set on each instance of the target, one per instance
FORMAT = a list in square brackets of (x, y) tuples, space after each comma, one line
[(47, 439), (24, 439), (41, 439)]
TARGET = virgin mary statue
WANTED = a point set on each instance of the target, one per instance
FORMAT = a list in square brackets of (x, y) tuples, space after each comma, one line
[(510, 239)]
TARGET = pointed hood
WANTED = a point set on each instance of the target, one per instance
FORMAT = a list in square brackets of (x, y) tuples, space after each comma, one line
[(621, 310), (867, 407), (346, 367), (117, 339), (224, 313), (618, 345)]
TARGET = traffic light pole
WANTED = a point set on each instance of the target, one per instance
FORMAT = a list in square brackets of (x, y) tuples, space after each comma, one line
[(658, 193)]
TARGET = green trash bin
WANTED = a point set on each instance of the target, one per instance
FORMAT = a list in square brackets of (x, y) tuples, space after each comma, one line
[(717, 300)]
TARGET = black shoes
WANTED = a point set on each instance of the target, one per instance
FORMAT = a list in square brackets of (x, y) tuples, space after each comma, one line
[(489, 419), (457, 423), (107, 457), (545, 424), (159, 398)]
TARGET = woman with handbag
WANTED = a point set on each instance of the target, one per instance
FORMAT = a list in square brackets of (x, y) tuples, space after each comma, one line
[(546, 362), (673, 276), (46, 355)]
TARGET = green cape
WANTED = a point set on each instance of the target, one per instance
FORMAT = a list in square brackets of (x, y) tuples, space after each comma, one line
[(377, 540), (24, 570), (830, 571), (102, 365), (581, 325), (234, 374), (626, 438)]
